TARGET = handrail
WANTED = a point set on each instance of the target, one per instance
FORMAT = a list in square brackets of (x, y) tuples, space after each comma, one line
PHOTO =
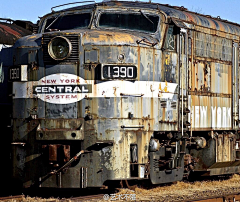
[(72, 3), (7, 19), (133, 95)]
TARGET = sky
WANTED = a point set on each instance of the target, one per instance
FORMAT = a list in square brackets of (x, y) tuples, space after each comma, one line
[(31, 10)]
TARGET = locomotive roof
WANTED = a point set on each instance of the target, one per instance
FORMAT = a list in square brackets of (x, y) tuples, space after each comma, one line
[(10, 33), (174, 12)]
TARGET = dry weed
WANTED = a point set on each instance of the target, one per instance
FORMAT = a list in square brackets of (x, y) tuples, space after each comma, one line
[(175, 192)]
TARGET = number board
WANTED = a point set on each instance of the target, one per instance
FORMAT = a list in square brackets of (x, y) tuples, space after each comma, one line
[(18, 73), (119, 72), (15, 73)]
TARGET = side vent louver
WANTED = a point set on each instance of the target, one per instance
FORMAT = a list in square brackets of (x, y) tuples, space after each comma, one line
[(163, 103), (174, 105)]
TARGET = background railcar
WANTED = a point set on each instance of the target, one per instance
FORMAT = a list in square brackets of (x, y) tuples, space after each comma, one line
[(10, 32), (125, 91)]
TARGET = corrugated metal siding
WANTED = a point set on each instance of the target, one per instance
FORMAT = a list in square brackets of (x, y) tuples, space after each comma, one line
[(213, 47)]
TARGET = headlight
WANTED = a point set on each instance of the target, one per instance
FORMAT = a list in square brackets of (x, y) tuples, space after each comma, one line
[(59, 48)]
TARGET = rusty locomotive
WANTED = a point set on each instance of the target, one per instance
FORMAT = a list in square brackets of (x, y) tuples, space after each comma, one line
[(132, 91)]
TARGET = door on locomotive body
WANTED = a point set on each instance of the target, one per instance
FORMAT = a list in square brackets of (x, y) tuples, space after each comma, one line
[(170, 73), (175, 70)]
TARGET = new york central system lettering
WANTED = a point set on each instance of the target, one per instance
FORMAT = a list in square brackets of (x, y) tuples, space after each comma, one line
[(53, 89)]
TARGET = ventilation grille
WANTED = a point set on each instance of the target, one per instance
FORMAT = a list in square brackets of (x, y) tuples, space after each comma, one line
[(174, 105), (163, 104), (74, 57)]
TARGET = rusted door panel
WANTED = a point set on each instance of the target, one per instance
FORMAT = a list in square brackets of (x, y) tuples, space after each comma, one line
[(168, 108)]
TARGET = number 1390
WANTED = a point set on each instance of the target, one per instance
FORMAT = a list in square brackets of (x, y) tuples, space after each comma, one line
[(122, 72)]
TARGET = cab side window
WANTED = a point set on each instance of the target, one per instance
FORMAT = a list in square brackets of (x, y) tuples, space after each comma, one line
[(170, 40)]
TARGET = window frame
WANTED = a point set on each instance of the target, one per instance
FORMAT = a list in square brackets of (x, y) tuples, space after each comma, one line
[(126, 11), (44, 21), (175, 34)]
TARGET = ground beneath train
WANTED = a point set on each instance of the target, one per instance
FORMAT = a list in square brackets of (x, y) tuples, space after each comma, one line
[(179, 191)]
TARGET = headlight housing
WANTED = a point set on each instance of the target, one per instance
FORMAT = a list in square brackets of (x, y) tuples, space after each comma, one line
[(59, 48)]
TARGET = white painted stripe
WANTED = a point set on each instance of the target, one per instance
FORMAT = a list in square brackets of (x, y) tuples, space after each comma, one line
[(112, 88)]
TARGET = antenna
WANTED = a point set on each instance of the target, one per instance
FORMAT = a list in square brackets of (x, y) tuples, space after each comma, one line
[(72, 3)]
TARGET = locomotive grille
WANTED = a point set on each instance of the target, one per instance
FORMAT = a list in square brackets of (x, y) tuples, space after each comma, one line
[(74, 56), (163, 103), (174, 105)]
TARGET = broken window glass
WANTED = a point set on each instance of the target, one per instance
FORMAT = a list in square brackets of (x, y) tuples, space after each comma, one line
[(132, 21), (170, 38), (67, 22)]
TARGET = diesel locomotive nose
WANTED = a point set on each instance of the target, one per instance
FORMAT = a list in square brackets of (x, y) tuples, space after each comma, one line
[(125, 91)]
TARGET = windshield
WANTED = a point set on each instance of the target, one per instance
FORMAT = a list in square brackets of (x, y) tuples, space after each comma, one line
[(133, 21), (66, 22)]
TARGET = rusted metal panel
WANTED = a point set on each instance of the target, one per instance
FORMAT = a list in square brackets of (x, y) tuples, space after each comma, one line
[(221, 77), (53, 152), (211, 94), (59, 134), (104, 38), (212, 23), (58, 153), (224, 168), (225, 148), (218, 156), (170, 67), (210, 46), (210, 112), (211, 78)]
